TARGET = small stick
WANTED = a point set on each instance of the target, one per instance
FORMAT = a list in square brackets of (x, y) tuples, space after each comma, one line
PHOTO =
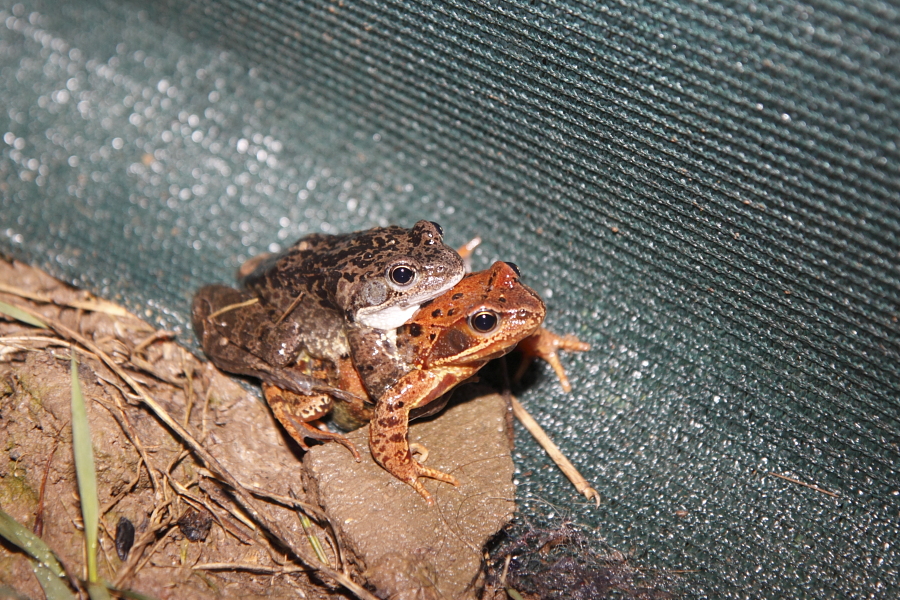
[(249, 567), (261, 493), (225, 309), (554, 452), (152, 339), (808, 485), (196, 502), (93, 304), (157, 524), (39, 515), (123, 421), (290, 308), (128, 488)]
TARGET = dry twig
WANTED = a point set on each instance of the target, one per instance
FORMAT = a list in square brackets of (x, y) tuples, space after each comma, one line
[(554, 452), (807, 485), (243, 497)]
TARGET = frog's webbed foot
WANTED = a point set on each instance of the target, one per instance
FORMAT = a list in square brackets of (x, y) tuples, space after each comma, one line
[(391, 449), (294, 411), (544, 344)]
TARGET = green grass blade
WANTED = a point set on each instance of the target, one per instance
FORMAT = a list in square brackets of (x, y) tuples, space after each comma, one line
[(131, 595), (98, 591), (84, 467), (54, 587), (29, 543), (21, 315), (9, 593), (313, 540)]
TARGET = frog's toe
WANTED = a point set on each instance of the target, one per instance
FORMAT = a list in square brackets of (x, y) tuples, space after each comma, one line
[(422, 491), (423, 471), (422, 451), (305, 430), (544, 344)]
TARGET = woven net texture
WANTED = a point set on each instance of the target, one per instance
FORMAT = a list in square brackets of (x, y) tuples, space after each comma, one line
[(707, 192)]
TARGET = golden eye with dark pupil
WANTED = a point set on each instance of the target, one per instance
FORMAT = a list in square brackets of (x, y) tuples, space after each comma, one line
[(402, 275), (484, 321)]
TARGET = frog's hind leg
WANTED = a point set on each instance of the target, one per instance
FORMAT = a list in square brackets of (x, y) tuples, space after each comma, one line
[(220, 313), (295, 411)]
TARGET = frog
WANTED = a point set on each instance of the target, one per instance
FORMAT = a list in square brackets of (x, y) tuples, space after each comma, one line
[(377, 277), (292, 309), (406, 373), (301, 298), (384, 364), (444, 344)]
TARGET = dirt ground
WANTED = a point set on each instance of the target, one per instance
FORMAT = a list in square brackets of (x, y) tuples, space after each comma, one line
[(203, 495), (218, 497)]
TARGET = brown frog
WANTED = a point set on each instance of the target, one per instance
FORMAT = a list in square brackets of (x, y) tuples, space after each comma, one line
[(295, 306)]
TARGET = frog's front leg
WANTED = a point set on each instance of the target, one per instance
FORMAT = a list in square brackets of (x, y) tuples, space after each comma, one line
[(295, 411), (544, 344), (390, 426)]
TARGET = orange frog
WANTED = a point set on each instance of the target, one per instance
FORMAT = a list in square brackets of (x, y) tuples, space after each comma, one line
[(446, 342)]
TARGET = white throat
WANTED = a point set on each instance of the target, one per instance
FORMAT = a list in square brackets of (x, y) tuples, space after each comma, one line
[(388, 318)]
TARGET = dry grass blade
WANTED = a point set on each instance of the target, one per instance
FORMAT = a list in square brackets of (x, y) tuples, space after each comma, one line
[(87, 476), (515, 595), (246, 501), (253, 568), (554, 452), (91, 304), (20, 315)]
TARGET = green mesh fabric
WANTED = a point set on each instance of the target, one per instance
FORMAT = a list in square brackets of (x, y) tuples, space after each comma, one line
[(706, 192)]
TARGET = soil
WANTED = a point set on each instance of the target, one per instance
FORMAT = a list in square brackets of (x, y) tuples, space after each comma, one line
[(193, 535)]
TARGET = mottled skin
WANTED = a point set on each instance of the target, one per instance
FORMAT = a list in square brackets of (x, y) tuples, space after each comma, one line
[(382, 373), (482, 318), (451, 337), (352, 273), (295, 306)]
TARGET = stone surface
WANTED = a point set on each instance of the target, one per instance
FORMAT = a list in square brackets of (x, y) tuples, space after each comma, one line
[(407, 549)]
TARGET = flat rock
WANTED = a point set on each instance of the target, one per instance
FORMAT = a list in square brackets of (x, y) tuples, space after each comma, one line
[(406, 549)]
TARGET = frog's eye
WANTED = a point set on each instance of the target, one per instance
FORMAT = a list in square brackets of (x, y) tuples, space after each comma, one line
[(440, 229), (484, 321), (402, 275)]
